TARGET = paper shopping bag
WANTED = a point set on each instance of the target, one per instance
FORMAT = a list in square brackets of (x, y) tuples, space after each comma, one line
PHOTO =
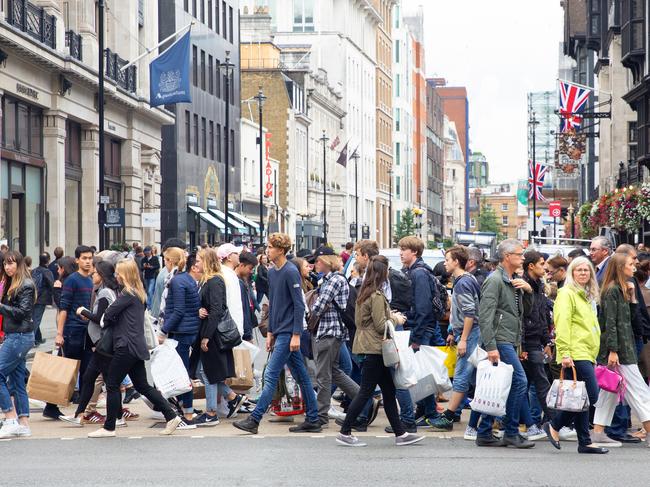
[(243, 379), (52, 378)]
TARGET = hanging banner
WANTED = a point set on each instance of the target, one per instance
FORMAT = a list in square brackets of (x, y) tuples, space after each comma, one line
[(268, 169), (571, 150), (169, 75)]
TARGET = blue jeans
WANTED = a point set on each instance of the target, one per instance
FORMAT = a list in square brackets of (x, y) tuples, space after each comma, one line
[(37, 317), (183, 350), (13, 372), (508, 354), (535, 406), (280, 357), (345, 363), (150, 287), (464, 373)]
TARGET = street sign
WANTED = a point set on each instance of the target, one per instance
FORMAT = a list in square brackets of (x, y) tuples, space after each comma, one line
[(555, 209), (365, 232), (114, 218), (104, 200), (353, 231), (151, 220)]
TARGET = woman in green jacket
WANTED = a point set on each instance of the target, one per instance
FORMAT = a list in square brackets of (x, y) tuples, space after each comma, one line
[(617, 348), (371, 314), (577, 336)]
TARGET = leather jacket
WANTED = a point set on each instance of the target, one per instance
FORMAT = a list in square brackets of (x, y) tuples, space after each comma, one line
[(17, 310)]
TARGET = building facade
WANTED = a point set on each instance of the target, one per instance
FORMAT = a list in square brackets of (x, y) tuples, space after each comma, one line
[(204, 142), (479, 170), (503, 202), (454, 185), (435, 163), (49, 177)]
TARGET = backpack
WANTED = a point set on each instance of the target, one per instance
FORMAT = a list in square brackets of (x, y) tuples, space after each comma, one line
[(400, 288), (37, 277), (440, 298), (347, 315)]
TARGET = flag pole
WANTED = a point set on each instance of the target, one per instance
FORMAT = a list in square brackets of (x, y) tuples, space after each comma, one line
[(150, 50)]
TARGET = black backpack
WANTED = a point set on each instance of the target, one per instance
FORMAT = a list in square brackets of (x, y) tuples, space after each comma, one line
[(347, 315), (400, 289), (440, 298)]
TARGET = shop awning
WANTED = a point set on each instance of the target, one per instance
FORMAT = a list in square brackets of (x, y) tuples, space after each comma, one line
[(245, 221), (207, 217), (232, 222)]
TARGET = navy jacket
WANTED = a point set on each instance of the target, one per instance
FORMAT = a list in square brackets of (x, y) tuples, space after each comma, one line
[(420, 319), (182, 306)]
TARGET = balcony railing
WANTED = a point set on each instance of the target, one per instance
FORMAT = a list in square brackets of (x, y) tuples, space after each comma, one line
[(73, 42), (124, 78), (34, 21)]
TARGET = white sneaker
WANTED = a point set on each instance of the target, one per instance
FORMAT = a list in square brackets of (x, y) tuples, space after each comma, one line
[(72, 420), (10, 428), (101, 433), (534, 433), (120, 423), (470, 434), (568, 434), (101, 403), (172, 425), (24, 431), (334, 413), (186, 425)]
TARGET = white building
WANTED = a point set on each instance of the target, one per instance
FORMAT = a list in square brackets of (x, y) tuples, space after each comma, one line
[(454, 185), (49, 179)]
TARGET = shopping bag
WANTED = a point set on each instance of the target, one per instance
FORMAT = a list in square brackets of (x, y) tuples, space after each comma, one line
[(150, 332), (254, 350), (198, 389), (477, 355), (432, 376), (492, 388), (243, 379), (451, 358), (404, 374), (52, 378), (168, 371), (388, 346), (568, 395)]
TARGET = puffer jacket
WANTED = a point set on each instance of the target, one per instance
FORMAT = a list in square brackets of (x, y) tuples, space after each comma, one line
[(17, 310), (537, 318), (182, 306)]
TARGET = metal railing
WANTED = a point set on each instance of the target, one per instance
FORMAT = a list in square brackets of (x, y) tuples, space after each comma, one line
[(125, 79), (73, 41), (34, 21)]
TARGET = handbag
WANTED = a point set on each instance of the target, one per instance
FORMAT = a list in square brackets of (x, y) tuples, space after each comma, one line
[(389, 350), (227, 335), (104, 345), (610, 380), (150, 336), (568, 395)]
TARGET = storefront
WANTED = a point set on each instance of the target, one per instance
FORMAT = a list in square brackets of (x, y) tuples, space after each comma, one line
[(21, 177)]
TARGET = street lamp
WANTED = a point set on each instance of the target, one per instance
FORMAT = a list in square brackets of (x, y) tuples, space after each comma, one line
[(460, 217), (390, 207), (324, 138), (260, 104), (228, 66), (571, 211), (532, 122), (355, 156)]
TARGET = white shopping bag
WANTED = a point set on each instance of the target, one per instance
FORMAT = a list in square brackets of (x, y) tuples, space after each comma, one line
[(492, 388), (405, 373), (477, 356), (168, 371), (431, 372)]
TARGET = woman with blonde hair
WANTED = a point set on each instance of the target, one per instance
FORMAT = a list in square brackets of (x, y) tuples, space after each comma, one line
[(174, 260), (211, 365), (17, 300), (577, 338), (618, 348), (126, 318)]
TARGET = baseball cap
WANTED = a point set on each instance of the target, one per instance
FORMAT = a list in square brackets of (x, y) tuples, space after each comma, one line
[(226, 249), (323, 250)]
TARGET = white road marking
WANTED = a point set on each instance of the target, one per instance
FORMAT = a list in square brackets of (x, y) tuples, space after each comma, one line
[(197, 436), (317, 436), (135, 437), (382, 436), (67, 439)]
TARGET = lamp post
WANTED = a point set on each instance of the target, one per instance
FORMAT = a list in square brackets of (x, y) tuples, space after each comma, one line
[(571, 211), (101, 216), (228, 66), (460, 217), (390, 207), (260, 104), (533, 122), (355, 156), (324, 138)]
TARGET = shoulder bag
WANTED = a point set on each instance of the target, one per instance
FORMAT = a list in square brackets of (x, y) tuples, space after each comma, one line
[(568, 395), (389, 350), (227, 335)]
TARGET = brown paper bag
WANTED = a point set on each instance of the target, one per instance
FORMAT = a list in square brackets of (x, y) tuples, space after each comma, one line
[(52, 379), (198, 389), (243, 379)]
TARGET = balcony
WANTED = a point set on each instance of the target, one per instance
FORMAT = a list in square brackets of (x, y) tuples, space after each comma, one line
[(33, 20), (73, 42), (124, 79)]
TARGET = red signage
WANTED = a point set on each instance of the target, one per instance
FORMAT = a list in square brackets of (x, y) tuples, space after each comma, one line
[(555, 209), (268, 170)]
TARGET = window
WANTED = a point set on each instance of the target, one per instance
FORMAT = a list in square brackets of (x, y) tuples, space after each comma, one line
[(303, 15), (472, 222), (218, 79), (204, 142), (210, 75), (203, 11), (632, 141), (186, 5), (188, 135), (112, 157), (194, 9), (202, 69), (398, 187), (218, 138), (397, 51), (397, 85), (209, 14), (504, 221), (398, 153), (140, 13), (211, 136), (216, 16), (504, 206), (224, 19), (397, 119), (22, 127), (230, 24), (195, 67), (72, 143), (196, 134)]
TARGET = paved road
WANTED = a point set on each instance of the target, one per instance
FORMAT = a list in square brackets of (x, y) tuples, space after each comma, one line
[(307, 461)]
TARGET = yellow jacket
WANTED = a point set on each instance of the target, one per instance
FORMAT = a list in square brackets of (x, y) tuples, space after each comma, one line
[(577, 332)]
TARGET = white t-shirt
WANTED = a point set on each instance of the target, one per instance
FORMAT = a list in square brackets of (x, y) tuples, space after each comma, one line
[(233, 297)]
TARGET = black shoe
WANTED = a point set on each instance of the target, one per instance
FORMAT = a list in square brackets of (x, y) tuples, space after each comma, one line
[(374, 411), (411, 428), (547, 430), (456, 418), (517, 441), (235, 404), (627, 438), (249, 425), (206, 420), (357, 426), (338, 396), (306, 427), (52, 413), (592, 449), (130, 394), (488, 441)]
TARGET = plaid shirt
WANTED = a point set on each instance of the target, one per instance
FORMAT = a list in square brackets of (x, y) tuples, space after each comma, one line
[(333, 287)]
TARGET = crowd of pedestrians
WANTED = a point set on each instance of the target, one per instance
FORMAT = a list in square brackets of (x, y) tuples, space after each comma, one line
[(324, 318)]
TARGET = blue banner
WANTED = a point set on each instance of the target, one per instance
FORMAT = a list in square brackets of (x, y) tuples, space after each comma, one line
[(169, 74)]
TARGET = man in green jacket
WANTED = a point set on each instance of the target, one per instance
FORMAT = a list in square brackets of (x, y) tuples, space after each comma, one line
[(503, 297)]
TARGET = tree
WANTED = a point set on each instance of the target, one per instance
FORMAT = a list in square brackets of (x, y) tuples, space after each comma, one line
[(405, 226), (487, 220)]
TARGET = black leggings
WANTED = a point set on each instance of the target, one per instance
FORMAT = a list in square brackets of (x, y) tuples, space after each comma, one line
[(99, 364), (373, 372), (124, 363)]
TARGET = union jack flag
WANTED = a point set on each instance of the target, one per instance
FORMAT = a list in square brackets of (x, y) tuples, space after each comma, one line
[(536, 173), (573, 100)]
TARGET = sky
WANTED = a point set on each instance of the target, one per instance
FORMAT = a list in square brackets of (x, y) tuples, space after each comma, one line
[(500, 51)]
